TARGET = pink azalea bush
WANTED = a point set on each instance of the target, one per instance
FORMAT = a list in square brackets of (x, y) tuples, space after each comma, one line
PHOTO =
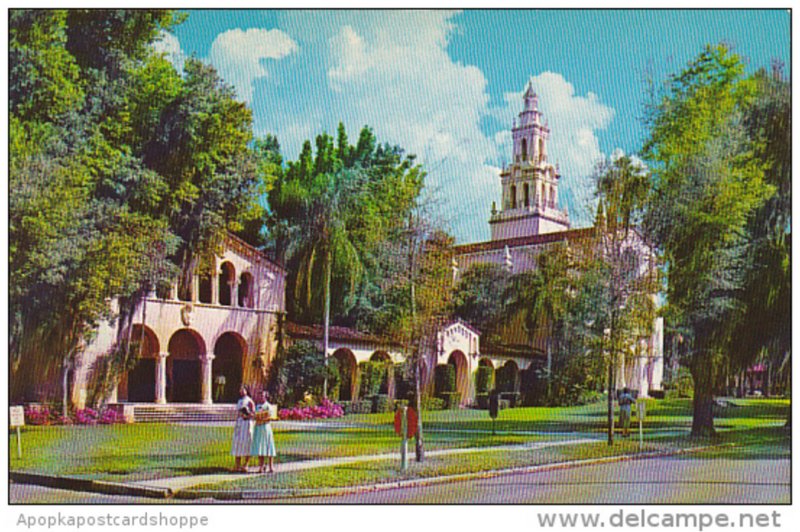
[(44, 415), (326, 409), (38, 415), (109, 417), (86, 416)]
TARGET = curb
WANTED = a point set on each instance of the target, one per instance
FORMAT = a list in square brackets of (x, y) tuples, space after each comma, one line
[(190, 494), (97, 486), (138, 490)]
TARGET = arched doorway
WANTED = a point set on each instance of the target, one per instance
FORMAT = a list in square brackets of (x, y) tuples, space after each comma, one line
[(227, 367), (139, 383), (459, 360), (508, 377), (183, 367), (387, 385), (533, 386), (348, 374)]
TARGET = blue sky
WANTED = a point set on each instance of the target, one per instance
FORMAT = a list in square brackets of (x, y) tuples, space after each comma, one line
[(446, 85)]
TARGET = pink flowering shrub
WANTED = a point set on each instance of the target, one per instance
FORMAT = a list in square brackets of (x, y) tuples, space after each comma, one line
[(64, 420), (109, 417), (44, 415), (326, 409), (38, 415), (86, 416)]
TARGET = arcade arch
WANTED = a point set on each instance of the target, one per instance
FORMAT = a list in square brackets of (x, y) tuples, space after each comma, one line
[(227, 368), (387, 385), (139, 383), (183, 366), (459, 360), (348, 374)]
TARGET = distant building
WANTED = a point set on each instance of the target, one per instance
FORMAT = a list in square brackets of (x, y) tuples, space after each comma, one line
[(528, 221)]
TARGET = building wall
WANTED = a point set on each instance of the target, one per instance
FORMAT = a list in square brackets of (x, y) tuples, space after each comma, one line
[(163, 318)]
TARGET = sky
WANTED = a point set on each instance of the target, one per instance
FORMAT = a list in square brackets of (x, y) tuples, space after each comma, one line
[(446, 85)]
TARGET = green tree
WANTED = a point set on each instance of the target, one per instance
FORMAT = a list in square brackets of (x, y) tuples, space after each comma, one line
[(479, 297), (200, 147), (541, 296), (764, 330), (95, 211), (707, 182), (627, 262)]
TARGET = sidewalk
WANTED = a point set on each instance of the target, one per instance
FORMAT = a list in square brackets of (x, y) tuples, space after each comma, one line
[(176, 484)]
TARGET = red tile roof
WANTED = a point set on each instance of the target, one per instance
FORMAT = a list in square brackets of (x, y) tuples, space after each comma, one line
[(533, 240), (345, 334)]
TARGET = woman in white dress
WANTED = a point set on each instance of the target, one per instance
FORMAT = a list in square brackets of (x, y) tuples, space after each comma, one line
[(263, 440), (243, 431)]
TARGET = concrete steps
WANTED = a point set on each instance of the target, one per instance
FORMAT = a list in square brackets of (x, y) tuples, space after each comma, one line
[(184, 413)]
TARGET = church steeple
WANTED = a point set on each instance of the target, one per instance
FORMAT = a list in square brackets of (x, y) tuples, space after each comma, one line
[(530, 184)]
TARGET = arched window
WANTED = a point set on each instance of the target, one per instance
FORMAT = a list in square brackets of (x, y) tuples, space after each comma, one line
[(227, 277), (552, 197), (526, 194), (541, 149), (513, 197), (204, 296), (524, 149), (246, 290)]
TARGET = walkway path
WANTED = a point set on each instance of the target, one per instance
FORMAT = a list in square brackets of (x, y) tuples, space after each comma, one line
[(185, 482)]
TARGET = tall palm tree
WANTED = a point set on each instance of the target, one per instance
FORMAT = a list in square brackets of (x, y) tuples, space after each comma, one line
[(541, 297), (325, 249)]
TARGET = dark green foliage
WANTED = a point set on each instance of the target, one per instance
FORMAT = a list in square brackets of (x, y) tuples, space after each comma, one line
[(335, 205), (371, 376), (300, 370), (483, 379), (708, 182), (121, 172), (403, 382), (444, 378), (451, 400), (480, 296), (533, 387), (504, 378), (381, 403)]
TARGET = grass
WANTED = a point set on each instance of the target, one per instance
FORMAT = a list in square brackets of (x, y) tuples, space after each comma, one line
[(148, 451)]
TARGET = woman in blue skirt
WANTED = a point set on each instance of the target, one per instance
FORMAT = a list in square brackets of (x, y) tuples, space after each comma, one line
[(263, 440)]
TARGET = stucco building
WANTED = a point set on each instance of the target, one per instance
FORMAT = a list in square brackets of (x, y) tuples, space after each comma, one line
[(529, 220), (199, 346)]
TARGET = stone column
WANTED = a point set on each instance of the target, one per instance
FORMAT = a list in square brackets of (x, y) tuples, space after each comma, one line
[(161, 378), (215, 287), (195, 288), (205, 378), (232, 285)]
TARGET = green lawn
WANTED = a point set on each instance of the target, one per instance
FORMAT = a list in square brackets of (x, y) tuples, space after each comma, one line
[(147, 451)]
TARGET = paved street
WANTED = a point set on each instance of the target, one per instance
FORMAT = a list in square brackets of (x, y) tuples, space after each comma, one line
[(673, 480)]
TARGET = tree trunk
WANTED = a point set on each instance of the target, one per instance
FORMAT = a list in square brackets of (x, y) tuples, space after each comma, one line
[(326, 320), (702, 372), (419, 444)]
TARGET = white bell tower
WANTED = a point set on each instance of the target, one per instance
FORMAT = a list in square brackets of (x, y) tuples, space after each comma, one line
[(530, 183)]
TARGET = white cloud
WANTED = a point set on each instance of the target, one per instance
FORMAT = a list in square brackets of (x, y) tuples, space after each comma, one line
[(636, 161), (239, 55), (405, 85), (573, 121), (169, 45)]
